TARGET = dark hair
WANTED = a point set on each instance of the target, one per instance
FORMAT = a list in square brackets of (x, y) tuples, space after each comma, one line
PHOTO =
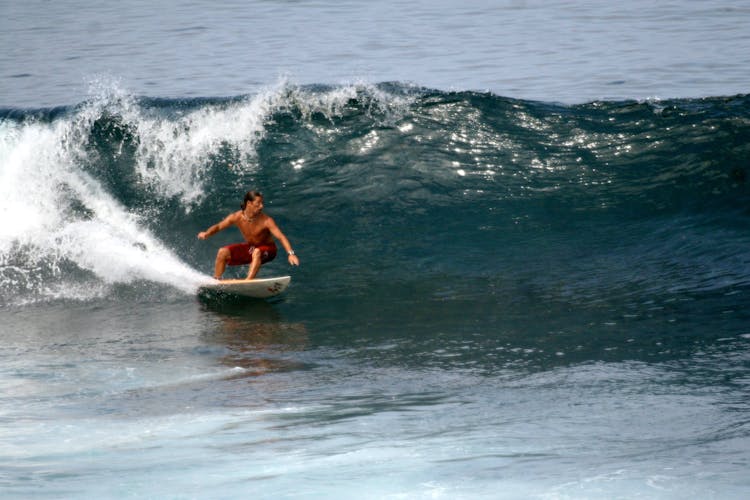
[(250, 196)]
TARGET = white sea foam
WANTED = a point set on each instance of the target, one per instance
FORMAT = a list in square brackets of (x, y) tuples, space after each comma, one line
[(40, 177), (173, 152)]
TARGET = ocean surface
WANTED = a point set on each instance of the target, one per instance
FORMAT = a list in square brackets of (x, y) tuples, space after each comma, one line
[(524, 234)]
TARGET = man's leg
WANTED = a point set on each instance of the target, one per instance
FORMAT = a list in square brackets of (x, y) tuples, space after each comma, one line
[(254, 264), (222, 257)]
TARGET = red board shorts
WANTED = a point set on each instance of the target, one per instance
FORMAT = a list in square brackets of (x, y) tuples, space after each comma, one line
[(242, 253)]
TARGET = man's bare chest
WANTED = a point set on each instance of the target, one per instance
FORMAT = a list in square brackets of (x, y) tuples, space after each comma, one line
[(254, 232)]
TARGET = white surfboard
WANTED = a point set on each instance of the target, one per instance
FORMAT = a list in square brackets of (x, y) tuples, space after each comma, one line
[(257, 288)]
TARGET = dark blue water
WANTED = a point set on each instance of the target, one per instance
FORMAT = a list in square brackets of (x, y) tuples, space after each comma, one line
[(498, 297)]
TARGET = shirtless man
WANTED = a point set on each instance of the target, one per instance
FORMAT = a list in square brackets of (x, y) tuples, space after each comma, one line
[(257, 228)]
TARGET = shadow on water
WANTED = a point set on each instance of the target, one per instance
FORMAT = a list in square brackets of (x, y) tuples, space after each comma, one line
[(227, 303), (254, 332)]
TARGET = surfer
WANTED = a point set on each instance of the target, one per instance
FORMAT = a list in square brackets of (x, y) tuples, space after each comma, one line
[(258, 229)]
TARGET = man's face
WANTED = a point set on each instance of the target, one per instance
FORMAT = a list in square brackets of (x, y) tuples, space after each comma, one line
[(254, 207)]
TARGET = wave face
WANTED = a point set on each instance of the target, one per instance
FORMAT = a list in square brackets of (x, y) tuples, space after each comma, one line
[(383, 189)]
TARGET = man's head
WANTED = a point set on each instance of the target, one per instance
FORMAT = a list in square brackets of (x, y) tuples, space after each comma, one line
[(250, 197)]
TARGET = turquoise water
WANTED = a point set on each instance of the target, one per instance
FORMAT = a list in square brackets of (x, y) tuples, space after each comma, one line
[(502, 294)]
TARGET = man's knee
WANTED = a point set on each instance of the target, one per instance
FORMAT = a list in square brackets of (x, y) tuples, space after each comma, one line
[(224, 254), (256, 254)]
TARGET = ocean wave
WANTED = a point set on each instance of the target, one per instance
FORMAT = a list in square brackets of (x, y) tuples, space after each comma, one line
[(115, 188)]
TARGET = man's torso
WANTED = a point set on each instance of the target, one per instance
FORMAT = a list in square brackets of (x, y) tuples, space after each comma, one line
[(254, 230)]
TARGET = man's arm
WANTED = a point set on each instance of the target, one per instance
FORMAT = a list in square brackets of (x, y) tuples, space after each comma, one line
[(276, 232), (227, 222)]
